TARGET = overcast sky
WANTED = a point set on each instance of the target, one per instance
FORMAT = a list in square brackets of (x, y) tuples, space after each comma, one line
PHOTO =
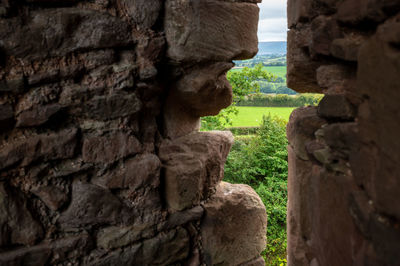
[(272, 25)]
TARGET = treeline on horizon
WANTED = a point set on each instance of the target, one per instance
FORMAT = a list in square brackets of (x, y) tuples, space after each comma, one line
[(280, 100)]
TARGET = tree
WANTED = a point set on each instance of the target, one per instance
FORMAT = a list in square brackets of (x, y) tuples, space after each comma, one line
[(243, 82)]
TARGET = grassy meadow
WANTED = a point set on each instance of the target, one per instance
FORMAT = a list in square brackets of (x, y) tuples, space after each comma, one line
[(252, 116), (279, 71)]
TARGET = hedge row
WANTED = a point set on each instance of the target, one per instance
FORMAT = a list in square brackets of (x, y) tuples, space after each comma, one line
[(281, 100)]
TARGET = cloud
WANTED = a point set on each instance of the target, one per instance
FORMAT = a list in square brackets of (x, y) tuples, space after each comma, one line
[(273, 24)]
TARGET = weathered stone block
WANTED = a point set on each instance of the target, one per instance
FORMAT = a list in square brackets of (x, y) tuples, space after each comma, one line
[(119, 236), (12, 85), (144, 13), (53, 197), (38, 115), (324, 30), (232, 214), (164, 249), (17, 224), (92, 205), (109, 148), (180, 218), (110, 107), (303, 124), (359, 11), (298, 11), (298, 221), (205, 91), (179, 120), (54, 252), (301, 69), (141, 171), (6, 112), (347, 48), (64, 30), (48, 147), (335, 77), (378, 72), (336, 106), (193, 166), (210, 30)]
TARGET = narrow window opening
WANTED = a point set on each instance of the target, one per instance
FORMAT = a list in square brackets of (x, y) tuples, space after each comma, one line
[(262, 104)]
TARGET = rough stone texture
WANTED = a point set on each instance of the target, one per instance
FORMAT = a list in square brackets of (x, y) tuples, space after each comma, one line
[(188, 42), (92, 205), (101, 161), (48, 146), (207, 83), (110, 148), (343, 171), (16, 222), (57, 251), (225, 240), (164, 249), (141, 171), (194, 166)]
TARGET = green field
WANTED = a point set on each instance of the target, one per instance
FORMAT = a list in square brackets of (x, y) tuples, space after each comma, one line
[(279, 71), (252, 116)]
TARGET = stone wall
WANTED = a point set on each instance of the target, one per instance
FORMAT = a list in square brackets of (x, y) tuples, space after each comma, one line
[(344, 171), (101, 161)]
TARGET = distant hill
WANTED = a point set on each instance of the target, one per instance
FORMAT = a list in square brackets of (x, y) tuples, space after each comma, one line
[(265, 48)]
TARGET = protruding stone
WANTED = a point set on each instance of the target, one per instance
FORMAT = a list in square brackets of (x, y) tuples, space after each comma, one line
[(92, 205), (109, 148), (205, 91), (193, 166), (198, 31), (232, 215)]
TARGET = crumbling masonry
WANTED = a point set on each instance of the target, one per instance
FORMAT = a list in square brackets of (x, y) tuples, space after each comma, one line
[(101, 161), (344, 170)]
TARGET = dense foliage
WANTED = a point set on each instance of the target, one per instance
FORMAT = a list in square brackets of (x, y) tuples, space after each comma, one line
[(277, 87), (261, 162), (281, 100)]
